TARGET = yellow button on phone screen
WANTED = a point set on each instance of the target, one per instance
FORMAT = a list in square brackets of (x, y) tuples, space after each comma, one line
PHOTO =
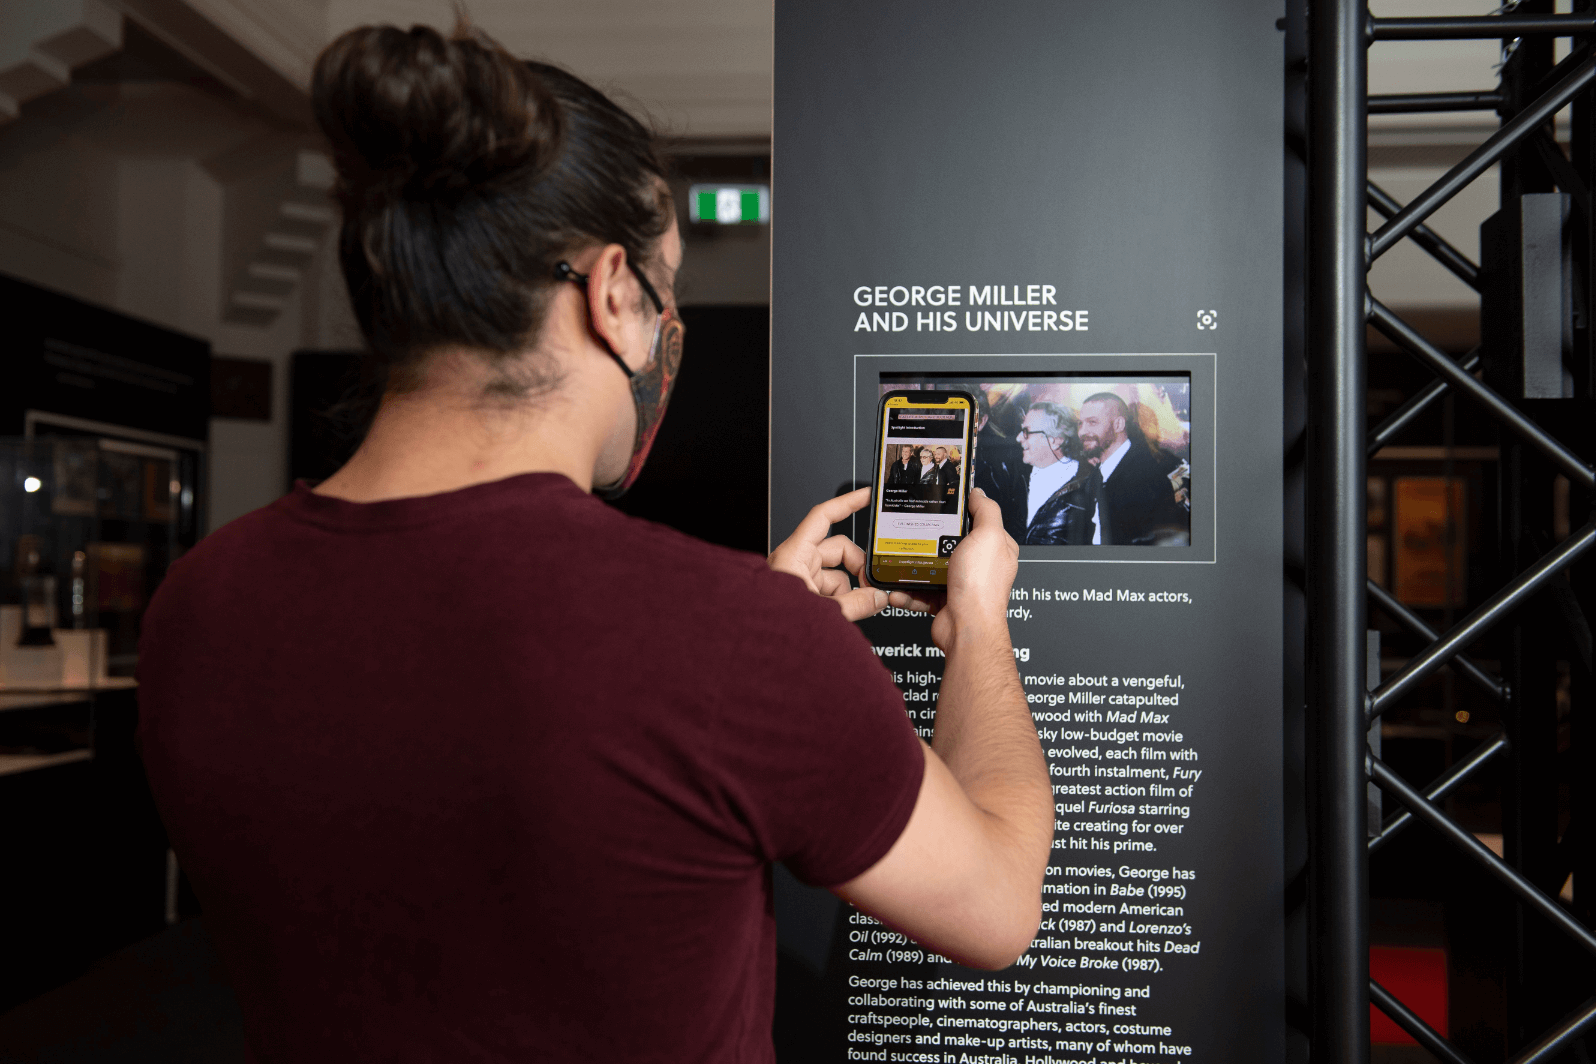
[(906, 546)]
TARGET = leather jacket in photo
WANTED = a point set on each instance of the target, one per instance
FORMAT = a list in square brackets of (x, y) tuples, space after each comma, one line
[(1065, 519)]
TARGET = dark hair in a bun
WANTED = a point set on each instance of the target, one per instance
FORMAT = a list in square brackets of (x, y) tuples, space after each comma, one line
[(465, 175)]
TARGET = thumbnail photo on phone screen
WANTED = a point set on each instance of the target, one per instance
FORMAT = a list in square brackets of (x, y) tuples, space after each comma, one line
[(920, 508)]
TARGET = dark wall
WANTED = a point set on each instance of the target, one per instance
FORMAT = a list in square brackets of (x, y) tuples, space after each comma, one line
[(85, 850), (707, 474)]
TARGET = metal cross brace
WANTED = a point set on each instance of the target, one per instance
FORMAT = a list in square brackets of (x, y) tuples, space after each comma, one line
[(1491, 685), (1480, 620), (1399, 418), (1567, 462), (1482, 158), (1510, 877), (1447, 782)]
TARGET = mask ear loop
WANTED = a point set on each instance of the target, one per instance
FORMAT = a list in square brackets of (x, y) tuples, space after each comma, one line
[(563, 272)]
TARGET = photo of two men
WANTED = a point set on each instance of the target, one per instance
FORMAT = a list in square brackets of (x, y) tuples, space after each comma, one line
[(1073, 461)]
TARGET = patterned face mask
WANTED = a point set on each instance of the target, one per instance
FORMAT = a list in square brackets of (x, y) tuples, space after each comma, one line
[(651, 387)]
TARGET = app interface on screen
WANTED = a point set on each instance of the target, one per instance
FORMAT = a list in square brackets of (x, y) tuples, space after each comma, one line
[(920, 509)]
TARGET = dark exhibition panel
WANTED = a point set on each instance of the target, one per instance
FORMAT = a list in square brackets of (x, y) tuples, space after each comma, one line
[(67, 357), (1037, 228)]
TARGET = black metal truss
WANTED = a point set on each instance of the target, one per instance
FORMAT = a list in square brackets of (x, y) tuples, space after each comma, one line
[(1412, 102), (1426, 238), (1427, 811), (1491, 685), (1443, 786), (1487, 614), (1482, 158), (1336, 676), (1403, 415), (1454, 833), (1567, 462), (1478, 27), (1339, 706)]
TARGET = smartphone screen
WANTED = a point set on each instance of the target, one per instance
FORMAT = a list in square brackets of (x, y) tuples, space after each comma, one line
[(922, 486)]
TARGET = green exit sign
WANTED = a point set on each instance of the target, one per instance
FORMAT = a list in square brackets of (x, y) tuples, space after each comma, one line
[(729, 204)]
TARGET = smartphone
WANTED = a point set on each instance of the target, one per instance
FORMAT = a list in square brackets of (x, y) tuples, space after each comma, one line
[(919, 508)]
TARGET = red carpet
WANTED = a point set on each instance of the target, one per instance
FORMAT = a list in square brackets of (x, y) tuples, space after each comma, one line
[(1415, 977)]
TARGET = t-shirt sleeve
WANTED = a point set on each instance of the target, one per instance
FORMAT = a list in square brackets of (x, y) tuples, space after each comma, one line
[(819, 757)]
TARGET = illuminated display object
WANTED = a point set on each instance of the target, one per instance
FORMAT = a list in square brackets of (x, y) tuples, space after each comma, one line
[(729, 204)]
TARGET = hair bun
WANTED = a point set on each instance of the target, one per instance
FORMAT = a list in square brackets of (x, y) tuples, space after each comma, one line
[(413, 112), (464, 176)]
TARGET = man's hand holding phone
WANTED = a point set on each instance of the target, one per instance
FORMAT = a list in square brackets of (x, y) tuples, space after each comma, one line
[(980, 577), (965, 877), (823, 562)]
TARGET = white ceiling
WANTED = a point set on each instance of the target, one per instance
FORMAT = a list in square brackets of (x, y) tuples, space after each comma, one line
[(699, 68), (702, 68)]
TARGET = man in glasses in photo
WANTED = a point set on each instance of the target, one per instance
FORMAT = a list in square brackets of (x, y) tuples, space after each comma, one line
[(1059, 494)]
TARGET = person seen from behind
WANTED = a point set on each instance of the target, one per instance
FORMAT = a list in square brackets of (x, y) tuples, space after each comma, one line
[(464, 764)]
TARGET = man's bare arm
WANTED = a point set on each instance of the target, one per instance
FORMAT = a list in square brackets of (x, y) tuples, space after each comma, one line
[(965, 877)]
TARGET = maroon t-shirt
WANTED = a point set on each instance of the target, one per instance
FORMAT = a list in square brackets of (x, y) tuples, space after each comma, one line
[(498, 774)]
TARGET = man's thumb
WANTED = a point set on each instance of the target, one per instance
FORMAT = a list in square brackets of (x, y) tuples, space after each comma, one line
[(862, 602)]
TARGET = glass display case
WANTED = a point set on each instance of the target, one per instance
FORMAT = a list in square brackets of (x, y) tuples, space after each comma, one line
[(90, 518)]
